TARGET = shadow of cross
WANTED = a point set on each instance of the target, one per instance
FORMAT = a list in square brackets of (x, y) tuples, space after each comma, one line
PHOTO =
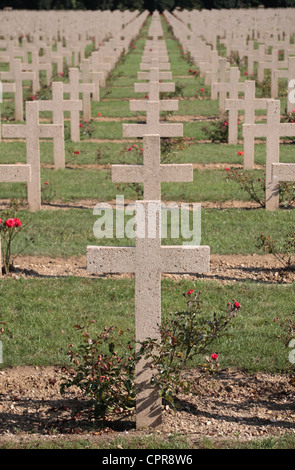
[(147, 260), (272, 130), (32, 131), (58, 106)]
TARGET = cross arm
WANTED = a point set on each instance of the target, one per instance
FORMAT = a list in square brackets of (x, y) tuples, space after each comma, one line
[(188, 259), (18, 131), (49, 130), (177, 173), (164, 105), (127, 173), (254, 130), (283, 171), (15, 173), (164, 130), (235, 104), (110, 259)]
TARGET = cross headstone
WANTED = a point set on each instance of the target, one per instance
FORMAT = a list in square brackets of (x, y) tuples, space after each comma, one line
[(88, 76), (272, 130), (18, 76), (153, 125), (32, 131), (74, 87), (233, 87), (147, 260), (280, 172), (58, 106), (249, 104), (36, 66), (152, 173)]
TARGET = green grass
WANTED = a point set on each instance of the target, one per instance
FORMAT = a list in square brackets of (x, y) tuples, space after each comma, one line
[(40, 326), (65, 233), (154, 441)]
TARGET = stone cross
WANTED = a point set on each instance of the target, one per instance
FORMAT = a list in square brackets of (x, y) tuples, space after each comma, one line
[(5, 87), (147, 260), (155, 63), (233, 87), (280, 172), (249, 104), (154, 75), (58, 106), (153, 125), (152, 173), (75, 88), (32, 131), (88, 76), (289, 74), (18, 76), (221, 78), (272, 130), (154, 89), (36, 66)]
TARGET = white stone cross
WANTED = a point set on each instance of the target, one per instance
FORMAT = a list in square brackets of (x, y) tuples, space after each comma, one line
[(58, 106), (147, 260), (153, 125), (32, 131), (154, 89), (280, 172), (233, 87), (152, 173), (74, 87), (272, 130), (36, 66), (155, 63), (88, 76), (18, 76), (289, 74), (249, 104)]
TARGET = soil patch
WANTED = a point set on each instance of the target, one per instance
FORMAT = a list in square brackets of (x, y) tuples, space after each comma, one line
[(223, 269), (227, 405)]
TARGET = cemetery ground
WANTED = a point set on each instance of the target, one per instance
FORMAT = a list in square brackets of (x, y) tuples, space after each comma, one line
[(250, 401)]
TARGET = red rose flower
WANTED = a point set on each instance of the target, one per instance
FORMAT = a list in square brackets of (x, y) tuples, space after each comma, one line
[(190, 292), (214, 356), (17, 223), (9, 223)]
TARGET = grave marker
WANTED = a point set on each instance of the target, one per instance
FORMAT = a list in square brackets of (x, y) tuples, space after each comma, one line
[(58, 106), (32, 131)]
